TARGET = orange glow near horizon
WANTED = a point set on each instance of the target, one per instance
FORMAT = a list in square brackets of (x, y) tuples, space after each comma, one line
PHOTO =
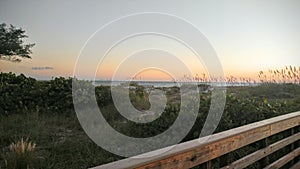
[(267, 39), (153, 75), (107, 72)]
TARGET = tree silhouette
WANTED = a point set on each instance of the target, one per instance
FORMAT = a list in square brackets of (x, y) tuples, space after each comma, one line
[(12, 46)]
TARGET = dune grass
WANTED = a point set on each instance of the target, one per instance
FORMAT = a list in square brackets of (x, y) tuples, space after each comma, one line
[(60, 141)]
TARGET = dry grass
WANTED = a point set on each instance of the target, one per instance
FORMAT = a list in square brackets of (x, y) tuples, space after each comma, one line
[(20, 155), (21, 147)]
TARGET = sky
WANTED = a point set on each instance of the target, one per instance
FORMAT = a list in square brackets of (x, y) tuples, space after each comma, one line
[(247, 36)]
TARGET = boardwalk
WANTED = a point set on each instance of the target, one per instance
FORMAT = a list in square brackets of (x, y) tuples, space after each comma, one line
[(205, 149)]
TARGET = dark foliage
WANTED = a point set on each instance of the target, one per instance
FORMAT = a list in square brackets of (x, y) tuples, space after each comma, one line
[(12, 46), (27, 106)]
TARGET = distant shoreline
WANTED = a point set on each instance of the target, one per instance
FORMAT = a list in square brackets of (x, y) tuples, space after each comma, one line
[(170, 83)]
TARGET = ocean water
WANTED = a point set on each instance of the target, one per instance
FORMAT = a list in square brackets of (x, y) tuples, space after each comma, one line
[(168, 83), (143, 83)]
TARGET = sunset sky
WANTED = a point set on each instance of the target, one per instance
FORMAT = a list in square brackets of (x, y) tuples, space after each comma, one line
[(247, 35)]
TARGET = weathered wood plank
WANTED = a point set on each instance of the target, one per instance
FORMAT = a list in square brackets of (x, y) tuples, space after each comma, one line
[(296, 166), (257, 155), (195, 152), (283, 160)]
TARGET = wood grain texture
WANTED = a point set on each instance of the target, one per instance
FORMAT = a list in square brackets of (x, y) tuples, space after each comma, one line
[(259, 154), (198, 151), (283, 160)]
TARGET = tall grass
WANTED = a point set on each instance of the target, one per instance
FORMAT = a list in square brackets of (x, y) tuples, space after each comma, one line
[(288, 74), (20, 155)]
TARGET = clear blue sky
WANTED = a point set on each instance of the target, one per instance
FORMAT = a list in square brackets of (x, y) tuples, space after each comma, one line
[(248, 35)]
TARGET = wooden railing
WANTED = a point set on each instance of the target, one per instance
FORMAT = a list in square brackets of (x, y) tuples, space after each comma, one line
[(205, 149)]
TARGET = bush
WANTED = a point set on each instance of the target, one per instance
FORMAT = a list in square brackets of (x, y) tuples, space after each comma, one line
[(20, 155)]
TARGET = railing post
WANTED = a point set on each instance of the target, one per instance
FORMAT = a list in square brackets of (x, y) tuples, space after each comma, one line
[(296, 144), (208, 165), (293, 144), (265, 161), (229, 158)]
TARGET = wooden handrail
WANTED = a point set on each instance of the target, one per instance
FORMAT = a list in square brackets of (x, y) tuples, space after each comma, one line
[(204, 149), (259, 154)]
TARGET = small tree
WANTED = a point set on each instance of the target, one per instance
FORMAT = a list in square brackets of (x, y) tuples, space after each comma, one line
[(12, 46)]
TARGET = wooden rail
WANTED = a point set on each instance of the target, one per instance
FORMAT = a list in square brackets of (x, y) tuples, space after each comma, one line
[(205, 149)]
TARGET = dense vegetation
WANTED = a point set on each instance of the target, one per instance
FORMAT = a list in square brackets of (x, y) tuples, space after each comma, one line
[(12, 45), (43, 112)]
